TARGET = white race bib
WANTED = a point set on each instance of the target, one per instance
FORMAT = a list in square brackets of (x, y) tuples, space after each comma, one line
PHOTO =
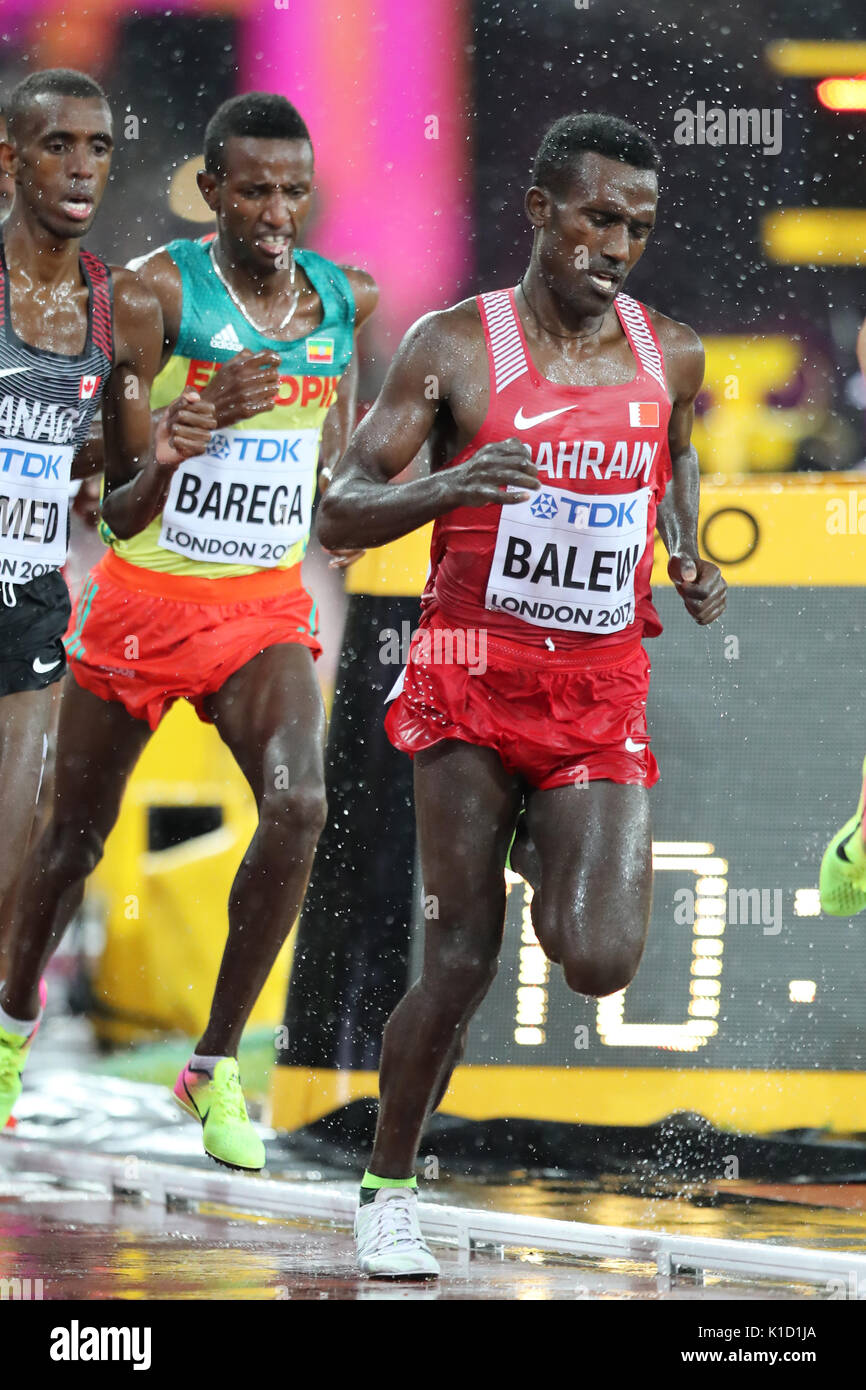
[(567, 560), (34, 507), (248, 500)]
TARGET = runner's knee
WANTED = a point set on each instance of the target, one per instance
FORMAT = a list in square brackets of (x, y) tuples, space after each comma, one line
[(599, 974), (73, 851), (297, 811), (464, 972)]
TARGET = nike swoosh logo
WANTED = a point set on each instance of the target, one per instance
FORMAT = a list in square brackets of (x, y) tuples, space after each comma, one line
[(12, 371), (40, 668), (526, 422), (632, 747)]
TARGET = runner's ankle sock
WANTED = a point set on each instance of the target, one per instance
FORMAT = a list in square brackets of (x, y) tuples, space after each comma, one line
[(199, 1063), (21, 1027), (370, 1185)]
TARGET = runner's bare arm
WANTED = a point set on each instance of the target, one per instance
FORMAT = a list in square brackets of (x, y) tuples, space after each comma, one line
[(361, 506), (340, 420), (136, 483), (162, 277), (173, 422), (699, 582), (90, 458)]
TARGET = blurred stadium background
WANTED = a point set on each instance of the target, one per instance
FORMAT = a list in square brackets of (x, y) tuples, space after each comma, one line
[(425, 117)]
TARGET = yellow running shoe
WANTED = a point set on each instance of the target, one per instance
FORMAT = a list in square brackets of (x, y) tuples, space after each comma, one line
[(218, 1102), (14, 1050), (842, 883), (14, 1064)]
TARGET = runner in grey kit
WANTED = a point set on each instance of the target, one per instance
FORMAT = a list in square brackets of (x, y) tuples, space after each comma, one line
[(74, 336)]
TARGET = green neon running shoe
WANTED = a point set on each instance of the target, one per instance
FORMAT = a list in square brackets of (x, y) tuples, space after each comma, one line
[(14, 1050), (842, 884), (218, 1102)]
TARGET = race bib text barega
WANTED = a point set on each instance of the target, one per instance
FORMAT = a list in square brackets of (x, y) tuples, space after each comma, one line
[(248, 500), (34, 507), (567, 560)]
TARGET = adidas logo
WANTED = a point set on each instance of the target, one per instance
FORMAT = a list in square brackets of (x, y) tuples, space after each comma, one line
[(227, 339)]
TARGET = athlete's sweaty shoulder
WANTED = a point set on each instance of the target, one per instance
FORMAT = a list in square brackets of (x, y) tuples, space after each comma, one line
[(447, 344), (137, 319), (161, 273), (683, 353), (364, 290)]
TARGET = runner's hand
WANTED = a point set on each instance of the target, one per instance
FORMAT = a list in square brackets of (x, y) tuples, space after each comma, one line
[(483, 478), (184, 430), (244, 387), (85, 503), (342, 559), (701, 587)]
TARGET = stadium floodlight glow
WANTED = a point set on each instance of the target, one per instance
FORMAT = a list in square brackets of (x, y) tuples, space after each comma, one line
[(842, 93)]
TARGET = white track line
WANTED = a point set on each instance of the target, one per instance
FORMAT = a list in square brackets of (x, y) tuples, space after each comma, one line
[(464, 1226)]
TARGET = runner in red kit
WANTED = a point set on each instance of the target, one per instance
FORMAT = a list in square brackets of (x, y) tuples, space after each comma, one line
[(564, 574), (561, 441)]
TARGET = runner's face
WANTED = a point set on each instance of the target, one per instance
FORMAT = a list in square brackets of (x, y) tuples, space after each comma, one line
[(7, 183), (264, 199), (62, 162), (592, 235)]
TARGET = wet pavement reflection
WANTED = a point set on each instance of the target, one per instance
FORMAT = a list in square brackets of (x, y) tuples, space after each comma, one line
[(75, 1242)]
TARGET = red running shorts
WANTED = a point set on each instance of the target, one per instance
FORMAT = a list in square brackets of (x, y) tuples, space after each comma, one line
[(554, 718), (147, 639)]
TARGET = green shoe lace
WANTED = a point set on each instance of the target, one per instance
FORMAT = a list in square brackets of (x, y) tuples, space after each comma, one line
[(227, 1097)]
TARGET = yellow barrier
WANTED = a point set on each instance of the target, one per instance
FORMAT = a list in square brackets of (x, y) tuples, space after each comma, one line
[(740, 432), (753, 528)]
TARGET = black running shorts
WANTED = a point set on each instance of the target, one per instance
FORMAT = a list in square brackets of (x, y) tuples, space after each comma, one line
[(32, 654)]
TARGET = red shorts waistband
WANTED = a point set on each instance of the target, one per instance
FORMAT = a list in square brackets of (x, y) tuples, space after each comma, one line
[(504, 653), (501, 652), (190, 588)]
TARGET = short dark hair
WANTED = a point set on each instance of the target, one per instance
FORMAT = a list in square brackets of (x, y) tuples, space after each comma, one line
[(262, 115), (570, 137), (60, 82)]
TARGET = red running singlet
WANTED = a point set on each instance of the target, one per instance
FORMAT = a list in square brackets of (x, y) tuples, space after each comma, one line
[(572, 565)]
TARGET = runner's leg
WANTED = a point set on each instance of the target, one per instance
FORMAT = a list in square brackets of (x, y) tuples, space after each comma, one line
[(25, 719), (466, 805), (270, 715), (595, 850), (98, 745)]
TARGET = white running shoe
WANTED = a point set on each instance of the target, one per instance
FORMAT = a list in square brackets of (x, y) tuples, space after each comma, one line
[(389, 1237)]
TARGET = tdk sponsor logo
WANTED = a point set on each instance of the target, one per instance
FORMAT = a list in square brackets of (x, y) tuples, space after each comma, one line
[(219, 447), (27, 463), (544, 506), (253, 448), (600, 515)]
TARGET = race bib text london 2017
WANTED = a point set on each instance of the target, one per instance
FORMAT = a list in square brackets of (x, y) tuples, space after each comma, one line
[(248, 500), (567, 560)]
